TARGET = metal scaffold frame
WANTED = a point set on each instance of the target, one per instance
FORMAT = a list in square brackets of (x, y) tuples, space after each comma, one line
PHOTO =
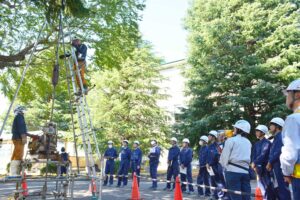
[(65, 185)]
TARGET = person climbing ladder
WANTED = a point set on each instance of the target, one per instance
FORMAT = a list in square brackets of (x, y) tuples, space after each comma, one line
[(81, 51)]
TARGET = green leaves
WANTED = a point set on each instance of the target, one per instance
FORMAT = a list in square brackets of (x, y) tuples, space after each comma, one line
[(242, 53), (124, 101)]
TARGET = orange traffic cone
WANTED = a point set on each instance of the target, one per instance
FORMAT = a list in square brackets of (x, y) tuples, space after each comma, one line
[(258, 194), (135, 193), (93, 187), (24, 186), (178, 192)]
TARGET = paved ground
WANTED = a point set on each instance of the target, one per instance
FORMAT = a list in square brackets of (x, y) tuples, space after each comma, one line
[(81, 191), (109, 193)]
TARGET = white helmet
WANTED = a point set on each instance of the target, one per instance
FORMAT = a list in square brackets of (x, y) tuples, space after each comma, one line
[(126, 141), (204, 138), (294, 86), (186, 140), (213, 133), (243, 125), (136, 142), (277, 120), (262, 128), (174, 139), (19, 109), (110, 142)]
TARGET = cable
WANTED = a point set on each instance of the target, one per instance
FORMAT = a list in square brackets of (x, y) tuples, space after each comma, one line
[(70, 98)]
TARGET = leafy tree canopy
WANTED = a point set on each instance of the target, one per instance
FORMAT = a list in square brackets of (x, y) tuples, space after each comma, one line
[(124, 103), (109, 28), (242, 54)]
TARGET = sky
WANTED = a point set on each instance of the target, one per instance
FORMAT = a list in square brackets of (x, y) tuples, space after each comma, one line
[(162, 25)]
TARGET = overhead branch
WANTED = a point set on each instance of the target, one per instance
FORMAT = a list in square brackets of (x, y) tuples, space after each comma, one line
[(21, 55)]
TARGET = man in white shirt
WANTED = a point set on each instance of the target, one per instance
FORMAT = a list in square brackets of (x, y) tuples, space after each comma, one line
[(235, 158), (290, 152)]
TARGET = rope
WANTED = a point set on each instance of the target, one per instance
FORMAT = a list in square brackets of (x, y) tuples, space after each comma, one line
[(55, 76), (70, 98), (149, 179), (23, 76)]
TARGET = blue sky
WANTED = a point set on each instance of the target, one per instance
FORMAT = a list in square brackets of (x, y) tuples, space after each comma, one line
[(162, 25)]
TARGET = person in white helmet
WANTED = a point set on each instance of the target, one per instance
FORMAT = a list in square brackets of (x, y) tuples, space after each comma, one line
[(154, 155), (19, 138), (213, 165), (290, 152), (260, 156), (136, 160), (203, 176), (185, 158), (125, 155), (282, 191), (110, 155), (173, 164), (235, 158)]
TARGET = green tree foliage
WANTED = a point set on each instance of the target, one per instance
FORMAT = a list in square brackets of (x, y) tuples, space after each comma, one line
[(110, 28), (242, 54), (124, 101)]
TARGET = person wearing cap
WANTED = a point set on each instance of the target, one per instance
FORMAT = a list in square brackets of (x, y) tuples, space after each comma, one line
[(213, 165), (110, 155), (185, 159), (173, 164), (124, 156), (290, 152), (153, 162), (203, 176), (260, 155), (81, 52), (19, 139), (64, 156), (282, 191), (235, 159), (136, 160)]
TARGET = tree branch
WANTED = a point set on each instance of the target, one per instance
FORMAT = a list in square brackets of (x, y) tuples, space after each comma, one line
[(21, 55), (7, 3)]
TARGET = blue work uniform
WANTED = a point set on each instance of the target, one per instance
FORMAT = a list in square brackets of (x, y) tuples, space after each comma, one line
[(290, 152), (110, 154), (81, 51), (154, 161), (64, 158), (185, 158), (217, 180), (203, 176), (282, 191), (136, 160), (19, 127), (125, 155), (260, 157), (173, 167)]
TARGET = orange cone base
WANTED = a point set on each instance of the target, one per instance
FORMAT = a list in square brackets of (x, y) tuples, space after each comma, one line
[(177, 192), (258, 194), (135, 193)]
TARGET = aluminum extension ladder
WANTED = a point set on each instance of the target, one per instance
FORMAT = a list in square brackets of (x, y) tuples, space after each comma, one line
[(86, 127)]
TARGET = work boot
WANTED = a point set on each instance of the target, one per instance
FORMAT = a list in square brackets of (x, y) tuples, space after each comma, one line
[(15, 168)]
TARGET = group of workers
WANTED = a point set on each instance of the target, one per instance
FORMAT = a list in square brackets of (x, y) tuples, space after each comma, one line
[(228, 162), (130, 159)]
